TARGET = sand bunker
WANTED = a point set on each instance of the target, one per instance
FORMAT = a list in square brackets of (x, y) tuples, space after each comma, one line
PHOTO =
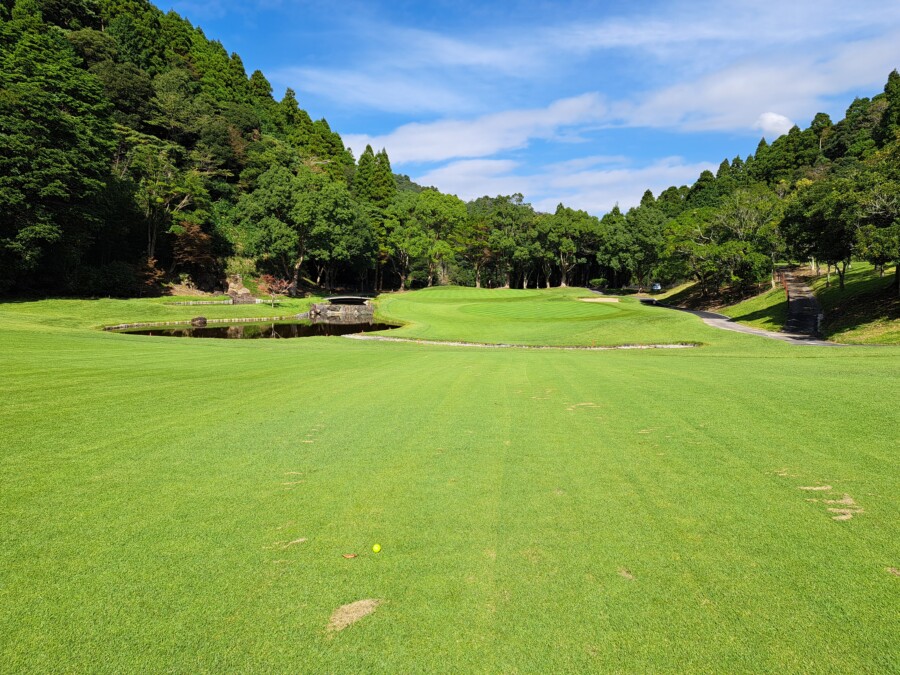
[(599, 299)]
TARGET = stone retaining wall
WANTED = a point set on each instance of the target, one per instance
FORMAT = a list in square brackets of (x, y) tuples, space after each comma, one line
[(342, 313), (191, 303)]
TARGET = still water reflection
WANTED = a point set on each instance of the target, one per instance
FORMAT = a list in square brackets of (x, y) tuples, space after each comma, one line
[(247, 331)]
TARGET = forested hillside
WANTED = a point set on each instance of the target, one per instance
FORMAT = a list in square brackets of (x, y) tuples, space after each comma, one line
[(135, 151)]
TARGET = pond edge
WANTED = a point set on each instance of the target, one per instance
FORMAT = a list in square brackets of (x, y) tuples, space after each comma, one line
[(159, 324)]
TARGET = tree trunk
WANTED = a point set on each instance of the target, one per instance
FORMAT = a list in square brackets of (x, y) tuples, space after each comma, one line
[(841, 270), (477, 277), (295, 278), (151, 237)]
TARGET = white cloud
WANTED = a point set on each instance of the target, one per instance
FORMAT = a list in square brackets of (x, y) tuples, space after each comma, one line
[(582, 163), (472, 178), (703, 65), (382, 91), (482, 136), (421, 48), (592, 189), (691, 32), (597, 191), (196, 10), (773, 125), (739, 97), (734, 97)]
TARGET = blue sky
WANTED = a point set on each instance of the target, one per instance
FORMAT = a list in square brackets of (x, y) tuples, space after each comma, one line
[(586, 103)]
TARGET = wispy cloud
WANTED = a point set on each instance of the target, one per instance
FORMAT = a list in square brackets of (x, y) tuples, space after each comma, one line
[(482, 136), (674, 43), (734, 97), (202, 10), (692, 32), (387, 91), (485, 105), (764, 96), (594, 188)]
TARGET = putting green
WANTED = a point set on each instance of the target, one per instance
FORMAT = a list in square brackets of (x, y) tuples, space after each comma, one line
[(536, 317), (186, 505)]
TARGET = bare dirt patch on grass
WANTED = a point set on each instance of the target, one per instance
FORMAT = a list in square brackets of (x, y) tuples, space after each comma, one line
[(894, 571), (576, 406), (842, 509), (347, 615), (281, 545), (626, 574), (844, 514)]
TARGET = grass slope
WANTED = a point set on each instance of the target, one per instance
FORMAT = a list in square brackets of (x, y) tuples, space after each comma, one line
[(535, 317), (867, 311), (539, 510), (768, 311), (98, 313)]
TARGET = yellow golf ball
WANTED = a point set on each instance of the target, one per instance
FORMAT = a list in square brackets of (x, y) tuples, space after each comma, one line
[(376, 548)]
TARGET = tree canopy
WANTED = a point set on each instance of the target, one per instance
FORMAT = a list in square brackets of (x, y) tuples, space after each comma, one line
[(136, 148)]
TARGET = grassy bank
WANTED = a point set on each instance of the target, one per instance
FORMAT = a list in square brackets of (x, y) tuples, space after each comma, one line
[(184, 505), (768, 311), (867, 311)]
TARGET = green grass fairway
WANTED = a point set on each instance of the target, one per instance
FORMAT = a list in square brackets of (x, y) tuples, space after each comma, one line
[(539, 510)]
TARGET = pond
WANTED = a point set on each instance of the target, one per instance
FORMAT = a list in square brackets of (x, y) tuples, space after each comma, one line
[(247, 331)]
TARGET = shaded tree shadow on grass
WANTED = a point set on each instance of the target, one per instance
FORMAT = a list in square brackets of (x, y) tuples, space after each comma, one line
[(693, 297), (864, 301), (776, 315)]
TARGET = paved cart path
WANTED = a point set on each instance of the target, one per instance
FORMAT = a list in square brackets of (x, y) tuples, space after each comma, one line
[(804, 313)]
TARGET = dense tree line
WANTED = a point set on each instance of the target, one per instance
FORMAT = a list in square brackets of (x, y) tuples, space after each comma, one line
[(135, 150)]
